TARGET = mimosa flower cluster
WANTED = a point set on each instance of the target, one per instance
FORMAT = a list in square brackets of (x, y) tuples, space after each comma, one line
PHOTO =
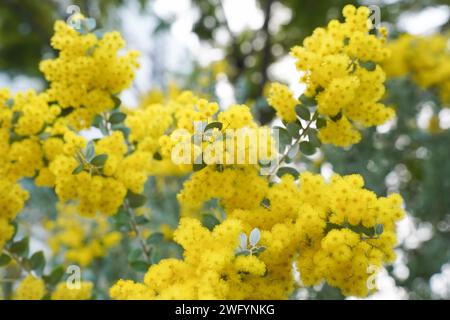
[(425, 58), (82, 240), (265, 231), (341, 69), (87, 71), (331, 230), (32, 288), (99, 186)]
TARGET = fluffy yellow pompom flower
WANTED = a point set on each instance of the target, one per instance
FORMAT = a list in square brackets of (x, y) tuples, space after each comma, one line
[(12, 200), (425, 58), (342, 73), (283, 101), (335, 231), (30, 288), (209, 270), (99, 187), (63, 292), (87, 71), (83, 239)]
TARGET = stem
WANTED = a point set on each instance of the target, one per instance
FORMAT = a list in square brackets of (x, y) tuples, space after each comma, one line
[(134, 226), (286, 153)]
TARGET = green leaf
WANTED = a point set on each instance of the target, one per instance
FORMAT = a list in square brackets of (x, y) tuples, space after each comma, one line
[(135, 254), (245, 252), (307, 101), (313, 139), (136, 200), (98, 119), (140, 220), (258, 250), (119, 127), (368, 65), (379, 229), (265, 203), (20, 247), (264, 163), (243, 241), (255, 236), (16, 116), (284, 138), (117, 101), (103, 128), (9, 103), (4, 260), (210, 221), (140, 266), (303, 112), (90, 150), (155, 238), (117, 117), (99, 160), (294, 129), (213, 125), (157, 156), (198, 166), (288, 170), (78, 169), (320, 123), (336, 117), (38, 262), (156, 256), (307, 148), (122, 218), (55, 276)]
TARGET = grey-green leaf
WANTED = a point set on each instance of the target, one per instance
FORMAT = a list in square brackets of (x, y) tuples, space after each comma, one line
[(37, 261), (294, 129), (155, 238), (303, 112), (99, 160), (313, 139), (55, 276), (90, 150), (136, 200), (255, 236), (135, 254), (140, 266), (213, 125), (20, 247), (117, 101), (288, 170), (210, 221), (4, 260), (307, 148), (320, 123), (117, 117), (78, 169), (284, 138), (307, 101), (243, 241)]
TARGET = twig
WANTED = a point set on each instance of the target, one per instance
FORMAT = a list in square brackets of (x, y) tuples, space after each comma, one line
[(285, 155), (133, 224)]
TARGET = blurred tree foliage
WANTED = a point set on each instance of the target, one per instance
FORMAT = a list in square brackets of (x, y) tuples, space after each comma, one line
[(26, 27)]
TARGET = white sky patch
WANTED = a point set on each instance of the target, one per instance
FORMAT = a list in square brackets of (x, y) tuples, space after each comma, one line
[(19, 83), (426, 21), (284, 71), (243, 14)]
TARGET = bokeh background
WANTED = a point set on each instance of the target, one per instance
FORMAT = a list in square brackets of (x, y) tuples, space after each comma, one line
[(230, 50)]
